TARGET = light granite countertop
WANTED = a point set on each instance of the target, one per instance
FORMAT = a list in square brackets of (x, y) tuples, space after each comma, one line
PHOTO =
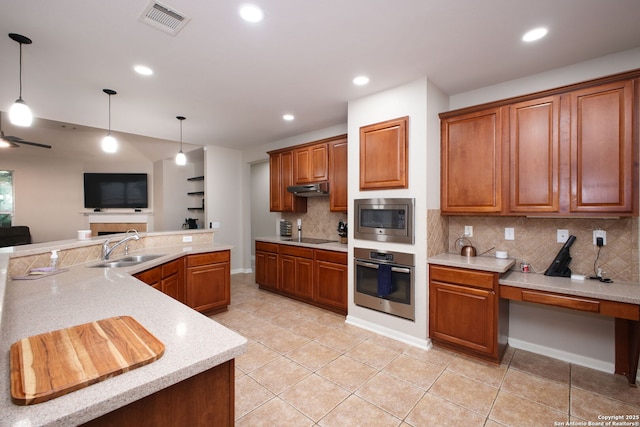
[(627, 292), (484, 263), (332, 246), (194, 343)]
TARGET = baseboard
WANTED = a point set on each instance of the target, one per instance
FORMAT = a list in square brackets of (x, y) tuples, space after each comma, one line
[(389, 333), (565, 356), (241, 271)]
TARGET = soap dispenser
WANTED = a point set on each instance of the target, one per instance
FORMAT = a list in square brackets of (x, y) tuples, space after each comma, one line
[(53, 263)]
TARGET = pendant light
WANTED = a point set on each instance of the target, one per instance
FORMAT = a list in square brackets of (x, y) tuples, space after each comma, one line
[(181, 159), (20, 113), (109, 143)]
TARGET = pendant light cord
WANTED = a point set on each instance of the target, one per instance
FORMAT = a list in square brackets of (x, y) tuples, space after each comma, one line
[(20, 74), (109, 114), (181, 136)]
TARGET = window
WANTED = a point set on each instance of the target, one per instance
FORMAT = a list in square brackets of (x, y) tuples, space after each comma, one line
[(6, 198)]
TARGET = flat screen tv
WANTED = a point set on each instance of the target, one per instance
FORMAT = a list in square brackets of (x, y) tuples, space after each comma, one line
[(115, 190)]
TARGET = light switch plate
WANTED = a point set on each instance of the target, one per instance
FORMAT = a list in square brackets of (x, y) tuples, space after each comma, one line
[(509, 233), (563, 235)]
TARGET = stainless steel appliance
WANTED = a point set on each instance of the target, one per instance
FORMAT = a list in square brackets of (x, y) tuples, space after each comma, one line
[(310, 190), (384, 220), (384, 281)]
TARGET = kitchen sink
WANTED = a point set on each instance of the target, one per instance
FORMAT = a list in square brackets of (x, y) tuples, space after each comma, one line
[(126, 261)]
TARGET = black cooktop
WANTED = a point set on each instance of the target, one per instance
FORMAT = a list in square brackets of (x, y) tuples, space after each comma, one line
[(309, 240)]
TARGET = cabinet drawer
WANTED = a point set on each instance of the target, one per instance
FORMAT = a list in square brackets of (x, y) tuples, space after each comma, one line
[(478, 279), (171, 268), (616, 309), (296, 251), (209, 258), (331, 256), (267, 247)]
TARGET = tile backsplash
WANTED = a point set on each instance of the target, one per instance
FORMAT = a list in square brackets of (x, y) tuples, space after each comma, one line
[(318, 222), (536, 241)]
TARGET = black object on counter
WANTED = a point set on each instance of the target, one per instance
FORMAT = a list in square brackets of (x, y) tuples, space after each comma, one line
[(560, 265)]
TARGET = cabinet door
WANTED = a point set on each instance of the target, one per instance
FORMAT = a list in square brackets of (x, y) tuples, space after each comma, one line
[(534, 144), (471, 163), (151, 277), (310, 164), (280, 177), (296, 275), (384, 155), (275, 183), (207, 286), (267, 269), (601, 146), (331, 285), (172, 282), (463, 316), (338, 165)]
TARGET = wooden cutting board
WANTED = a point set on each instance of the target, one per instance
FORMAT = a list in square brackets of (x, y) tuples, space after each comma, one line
[(52, 364)]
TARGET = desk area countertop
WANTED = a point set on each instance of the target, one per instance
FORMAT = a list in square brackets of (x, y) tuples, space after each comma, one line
[(626, 292), (194, 343)]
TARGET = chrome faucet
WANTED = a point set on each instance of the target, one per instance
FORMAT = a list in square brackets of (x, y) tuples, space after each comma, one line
[(106, 250)]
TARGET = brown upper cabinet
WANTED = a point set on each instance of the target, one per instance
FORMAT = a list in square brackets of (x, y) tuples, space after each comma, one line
[(319, 161), (280, 177), (311, 164), (568, 151), (384, 151), (338, 168)]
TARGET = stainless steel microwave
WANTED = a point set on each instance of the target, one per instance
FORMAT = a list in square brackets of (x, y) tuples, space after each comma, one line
[(384, 220)]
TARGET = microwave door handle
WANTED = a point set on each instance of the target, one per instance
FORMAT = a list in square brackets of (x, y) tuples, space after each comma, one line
[(401, 270), (367, 264)]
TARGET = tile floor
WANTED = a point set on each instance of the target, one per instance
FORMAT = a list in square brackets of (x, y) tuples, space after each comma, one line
[(305, 367)]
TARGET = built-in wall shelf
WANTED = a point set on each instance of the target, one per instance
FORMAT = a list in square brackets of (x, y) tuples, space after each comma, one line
[(196, 178), (195, 209), (196, 193)]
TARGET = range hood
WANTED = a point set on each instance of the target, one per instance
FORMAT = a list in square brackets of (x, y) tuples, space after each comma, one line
[(310, 190)]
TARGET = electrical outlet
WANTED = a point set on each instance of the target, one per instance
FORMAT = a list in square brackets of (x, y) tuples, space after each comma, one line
[(509, 233), (468, 230), (187, 239), (599, 233), (563, 235)]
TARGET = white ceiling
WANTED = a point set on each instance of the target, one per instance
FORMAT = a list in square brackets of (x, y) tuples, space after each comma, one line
[(234, 80)]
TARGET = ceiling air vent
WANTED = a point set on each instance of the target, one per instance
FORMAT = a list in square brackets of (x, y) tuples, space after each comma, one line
[(164, 18)]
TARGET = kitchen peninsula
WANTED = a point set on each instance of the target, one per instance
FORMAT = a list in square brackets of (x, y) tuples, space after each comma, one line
[(193, 378)]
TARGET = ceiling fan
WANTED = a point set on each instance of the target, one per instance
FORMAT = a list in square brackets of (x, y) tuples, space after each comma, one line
[(14, 141)]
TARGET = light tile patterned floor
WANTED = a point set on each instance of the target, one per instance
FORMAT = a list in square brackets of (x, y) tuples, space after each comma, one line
[(306, 367)]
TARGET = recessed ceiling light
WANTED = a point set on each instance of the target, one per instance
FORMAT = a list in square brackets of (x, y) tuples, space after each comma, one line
[(251, 13), (143, 69), (288, 117), (535, 34), (361, 80)]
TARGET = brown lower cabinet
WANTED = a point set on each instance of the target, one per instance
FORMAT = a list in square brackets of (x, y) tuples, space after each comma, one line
[(201, 281), (315, 276), (206, 399), (466, 313)]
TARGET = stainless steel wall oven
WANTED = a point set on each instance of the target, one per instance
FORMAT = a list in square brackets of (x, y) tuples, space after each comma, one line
[(384, 281)]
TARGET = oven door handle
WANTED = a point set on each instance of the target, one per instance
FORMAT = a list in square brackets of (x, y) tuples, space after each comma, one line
[(367, 264), (401, 270)]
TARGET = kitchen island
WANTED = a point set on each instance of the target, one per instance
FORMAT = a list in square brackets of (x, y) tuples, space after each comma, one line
[(195, 346)]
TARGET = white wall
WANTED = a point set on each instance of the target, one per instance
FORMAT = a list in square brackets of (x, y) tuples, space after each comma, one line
[(224, 195), (263, 222), (49, 193), (559, 333), (406, 100)]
